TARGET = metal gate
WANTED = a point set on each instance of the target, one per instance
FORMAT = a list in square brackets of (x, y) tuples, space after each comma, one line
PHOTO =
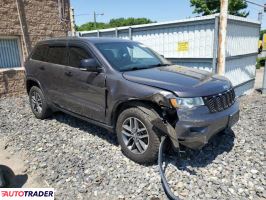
[(194, 42), (10, 56)]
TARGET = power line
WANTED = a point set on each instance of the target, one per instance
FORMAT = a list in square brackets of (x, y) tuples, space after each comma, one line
[(94, 17), (82, 15), (254, 3), (247, 1), (87, 14), (260, 13), (253, 7)]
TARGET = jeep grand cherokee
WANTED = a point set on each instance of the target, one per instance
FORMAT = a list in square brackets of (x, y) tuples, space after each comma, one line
[(131, 90)]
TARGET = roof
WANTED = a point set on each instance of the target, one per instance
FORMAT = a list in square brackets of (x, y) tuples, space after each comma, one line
[(85, 39)]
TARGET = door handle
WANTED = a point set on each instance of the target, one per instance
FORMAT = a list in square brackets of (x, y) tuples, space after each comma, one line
[(41, 68), (68, 73)]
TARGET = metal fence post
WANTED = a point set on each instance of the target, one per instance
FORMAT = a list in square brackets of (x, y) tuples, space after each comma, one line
[(264, 81), (215, 45), (130, 33), (116, 32)]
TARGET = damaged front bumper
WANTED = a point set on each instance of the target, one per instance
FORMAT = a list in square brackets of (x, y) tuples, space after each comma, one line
[(196, 126)]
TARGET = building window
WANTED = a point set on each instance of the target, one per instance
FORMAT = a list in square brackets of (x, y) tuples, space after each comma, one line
[(10, 54)]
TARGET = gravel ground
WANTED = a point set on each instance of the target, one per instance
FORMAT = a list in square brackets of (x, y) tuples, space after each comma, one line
[(82, 161)]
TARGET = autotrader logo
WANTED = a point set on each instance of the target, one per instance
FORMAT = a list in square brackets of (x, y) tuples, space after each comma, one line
[(27, 193)]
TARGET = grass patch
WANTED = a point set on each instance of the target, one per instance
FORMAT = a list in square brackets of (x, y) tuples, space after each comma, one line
[(260, 62)]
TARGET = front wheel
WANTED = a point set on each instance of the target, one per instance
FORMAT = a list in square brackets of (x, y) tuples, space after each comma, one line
[(136, 136)]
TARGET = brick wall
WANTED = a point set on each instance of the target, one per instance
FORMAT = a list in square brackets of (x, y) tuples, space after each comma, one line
[(41, 20), (12, 82)]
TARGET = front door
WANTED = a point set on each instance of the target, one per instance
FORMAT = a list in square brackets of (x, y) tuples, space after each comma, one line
[(54, 71), (85, 91)]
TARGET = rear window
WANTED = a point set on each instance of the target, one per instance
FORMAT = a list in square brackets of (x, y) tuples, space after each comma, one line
[(40, 53), (51, 54)]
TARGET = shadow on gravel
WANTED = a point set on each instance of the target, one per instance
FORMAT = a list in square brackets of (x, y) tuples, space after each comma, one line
[(86, 126), (219, 144), (8, 179)]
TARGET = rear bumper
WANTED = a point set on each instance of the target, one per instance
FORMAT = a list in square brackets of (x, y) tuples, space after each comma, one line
[(196, 126)]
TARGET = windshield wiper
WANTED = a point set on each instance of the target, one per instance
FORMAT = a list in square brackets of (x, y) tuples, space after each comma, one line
[(146, 67), (160, 65), (136, 68)]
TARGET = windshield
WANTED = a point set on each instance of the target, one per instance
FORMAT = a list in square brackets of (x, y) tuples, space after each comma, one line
[(127, 56)]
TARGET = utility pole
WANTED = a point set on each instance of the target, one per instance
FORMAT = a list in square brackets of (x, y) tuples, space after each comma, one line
[(94, 16), (222, 37), (72, 22)]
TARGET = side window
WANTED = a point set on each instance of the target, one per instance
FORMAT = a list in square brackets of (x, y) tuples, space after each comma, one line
[(76, 54), (40, 53), (57, 55)]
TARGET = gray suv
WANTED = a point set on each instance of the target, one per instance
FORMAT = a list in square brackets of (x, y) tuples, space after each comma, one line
[(129, 89)]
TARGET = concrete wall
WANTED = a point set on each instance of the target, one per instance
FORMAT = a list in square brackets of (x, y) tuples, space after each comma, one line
[(41, 19)]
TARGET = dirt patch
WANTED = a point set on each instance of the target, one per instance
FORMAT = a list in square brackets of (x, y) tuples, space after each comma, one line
[(14, 170)]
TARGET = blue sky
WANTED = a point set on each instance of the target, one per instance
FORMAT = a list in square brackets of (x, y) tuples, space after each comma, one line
[(157, 10)]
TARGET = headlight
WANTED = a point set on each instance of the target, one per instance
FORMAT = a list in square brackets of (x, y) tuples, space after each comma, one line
[(186, 102)]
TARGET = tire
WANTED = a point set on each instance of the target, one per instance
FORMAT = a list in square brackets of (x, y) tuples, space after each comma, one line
[(144, 115), (42, 111)]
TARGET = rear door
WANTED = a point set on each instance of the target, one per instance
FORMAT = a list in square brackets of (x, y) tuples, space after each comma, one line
[(85, 91), (50, 61)]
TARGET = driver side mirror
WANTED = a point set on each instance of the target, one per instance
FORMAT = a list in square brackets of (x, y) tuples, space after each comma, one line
[(90, 65)]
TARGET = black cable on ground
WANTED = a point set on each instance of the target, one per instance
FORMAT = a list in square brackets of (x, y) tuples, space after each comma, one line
[(166, 187)]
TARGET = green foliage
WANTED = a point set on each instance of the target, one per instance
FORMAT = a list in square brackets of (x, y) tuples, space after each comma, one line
[(207, 7), (128, 21), (260, 62), (90, 26), (114, 23), (261, 33)]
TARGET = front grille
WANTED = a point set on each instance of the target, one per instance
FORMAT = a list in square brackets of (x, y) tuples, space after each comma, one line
[(220, 102)]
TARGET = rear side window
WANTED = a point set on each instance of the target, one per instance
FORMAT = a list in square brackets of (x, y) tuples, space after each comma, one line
[(40, 53), (76, 54), (51, 54), (57, 55)]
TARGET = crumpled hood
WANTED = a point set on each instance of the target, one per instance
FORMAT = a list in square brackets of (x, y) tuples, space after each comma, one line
[(183, 81)]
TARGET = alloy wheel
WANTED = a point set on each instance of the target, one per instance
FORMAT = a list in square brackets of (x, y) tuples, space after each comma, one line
[(135, 135), (36, 102)]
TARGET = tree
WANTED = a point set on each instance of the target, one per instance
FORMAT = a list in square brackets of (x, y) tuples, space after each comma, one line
[(114, 23), (128, 22), (207, 7), (90, 26)]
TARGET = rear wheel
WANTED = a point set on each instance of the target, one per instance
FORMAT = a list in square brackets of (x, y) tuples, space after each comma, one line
[(136, 136), (38, 103)]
